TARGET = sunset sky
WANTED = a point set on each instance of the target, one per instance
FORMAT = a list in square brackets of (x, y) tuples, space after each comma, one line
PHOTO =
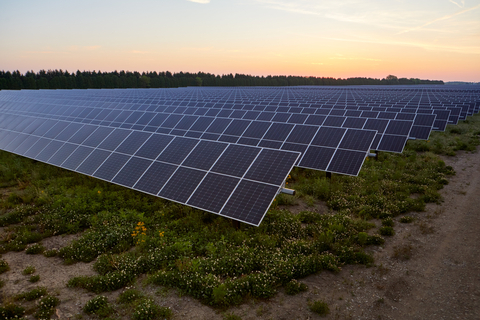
[(428, 39)]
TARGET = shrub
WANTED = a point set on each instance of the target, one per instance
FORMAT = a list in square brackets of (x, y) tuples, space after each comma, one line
[(386, 231), (129, 296), (388, 222), (50, 253), (46, 307), (32, 294), (147, 310), (407, 219), (293, 287), (28, 270), (319, 307), (99, 306), (35, 249), (3, 266), (11, 311), (34, 278)]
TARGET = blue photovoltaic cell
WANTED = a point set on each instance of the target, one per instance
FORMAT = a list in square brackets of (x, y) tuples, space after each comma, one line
[(132, 171), (182, 184), (357, 140), (155, 177), (93, 161), (37, 148), (111, 166), (328, 137), (278, 131), (268, 166), (317, 157), (154, 146), (399, 127), (134, 141), (177, 150), (346, 161), (114, 139), (63, 153), (77, 157), (257, 129), (82, 134), (49, 150), (97, 136), (213, 191), (247, 200), (394, 143), (236, 160), (27, 144), (204, 155), (302, 134)]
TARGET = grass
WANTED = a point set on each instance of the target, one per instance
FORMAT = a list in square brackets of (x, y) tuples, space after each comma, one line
[(319, 307), (129, 234), (28, 270), (32, 294)]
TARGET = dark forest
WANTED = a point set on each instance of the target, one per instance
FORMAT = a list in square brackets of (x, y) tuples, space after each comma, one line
[(58, 79)]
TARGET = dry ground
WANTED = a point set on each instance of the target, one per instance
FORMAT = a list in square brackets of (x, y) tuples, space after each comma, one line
[(429, 270)]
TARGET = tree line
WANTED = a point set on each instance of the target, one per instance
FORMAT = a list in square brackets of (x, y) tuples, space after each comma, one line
[(58, 79)]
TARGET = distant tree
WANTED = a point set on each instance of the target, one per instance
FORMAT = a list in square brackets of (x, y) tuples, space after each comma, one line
[(198, 81)]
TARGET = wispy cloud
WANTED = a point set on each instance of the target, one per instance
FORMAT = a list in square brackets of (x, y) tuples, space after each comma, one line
[(460, 5), (200, 1), (83, 48), (354, 58), (418, 44), (440, 19)]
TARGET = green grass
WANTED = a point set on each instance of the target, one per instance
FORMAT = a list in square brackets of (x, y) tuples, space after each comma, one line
[(203, 255), (319, 307)]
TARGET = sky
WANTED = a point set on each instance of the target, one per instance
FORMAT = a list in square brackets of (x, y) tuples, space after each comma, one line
[(427, 39)]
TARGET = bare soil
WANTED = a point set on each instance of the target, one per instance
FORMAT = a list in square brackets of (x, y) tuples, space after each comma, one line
[(430, 269)]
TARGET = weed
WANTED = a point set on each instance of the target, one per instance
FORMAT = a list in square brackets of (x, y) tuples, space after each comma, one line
[(3, 266), (32, 294), (28, 270), (11, 311), (34, 278), (425, 228), (46, 307), (386, 231), (407, 219), (129, 296), (293, 287), (388, 222), (319, 307), (147, 309), (403, 252), (99, 306), (50, 253), (35, 249), (2, 283), (231, 316)]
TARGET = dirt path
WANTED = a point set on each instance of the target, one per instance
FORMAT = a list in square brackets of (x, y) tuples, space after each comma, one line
[(429, 270)]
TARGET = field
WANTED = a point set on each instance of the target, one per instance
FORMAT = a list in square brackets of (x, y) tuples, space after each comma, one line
[(76, 247)]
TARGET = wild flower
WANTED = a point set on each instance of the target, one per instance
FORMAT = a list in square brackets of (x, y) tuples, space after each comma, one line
[(140, 232)]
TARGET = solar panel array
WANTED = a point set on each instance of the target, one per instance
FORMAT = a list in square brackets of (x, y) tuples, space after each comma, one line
[(223, 150)]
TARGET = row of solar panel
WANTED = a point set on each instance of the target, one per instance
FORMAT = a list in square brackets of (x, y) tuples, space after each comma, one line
[(213, 176), (392, 134), (315, 143)]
